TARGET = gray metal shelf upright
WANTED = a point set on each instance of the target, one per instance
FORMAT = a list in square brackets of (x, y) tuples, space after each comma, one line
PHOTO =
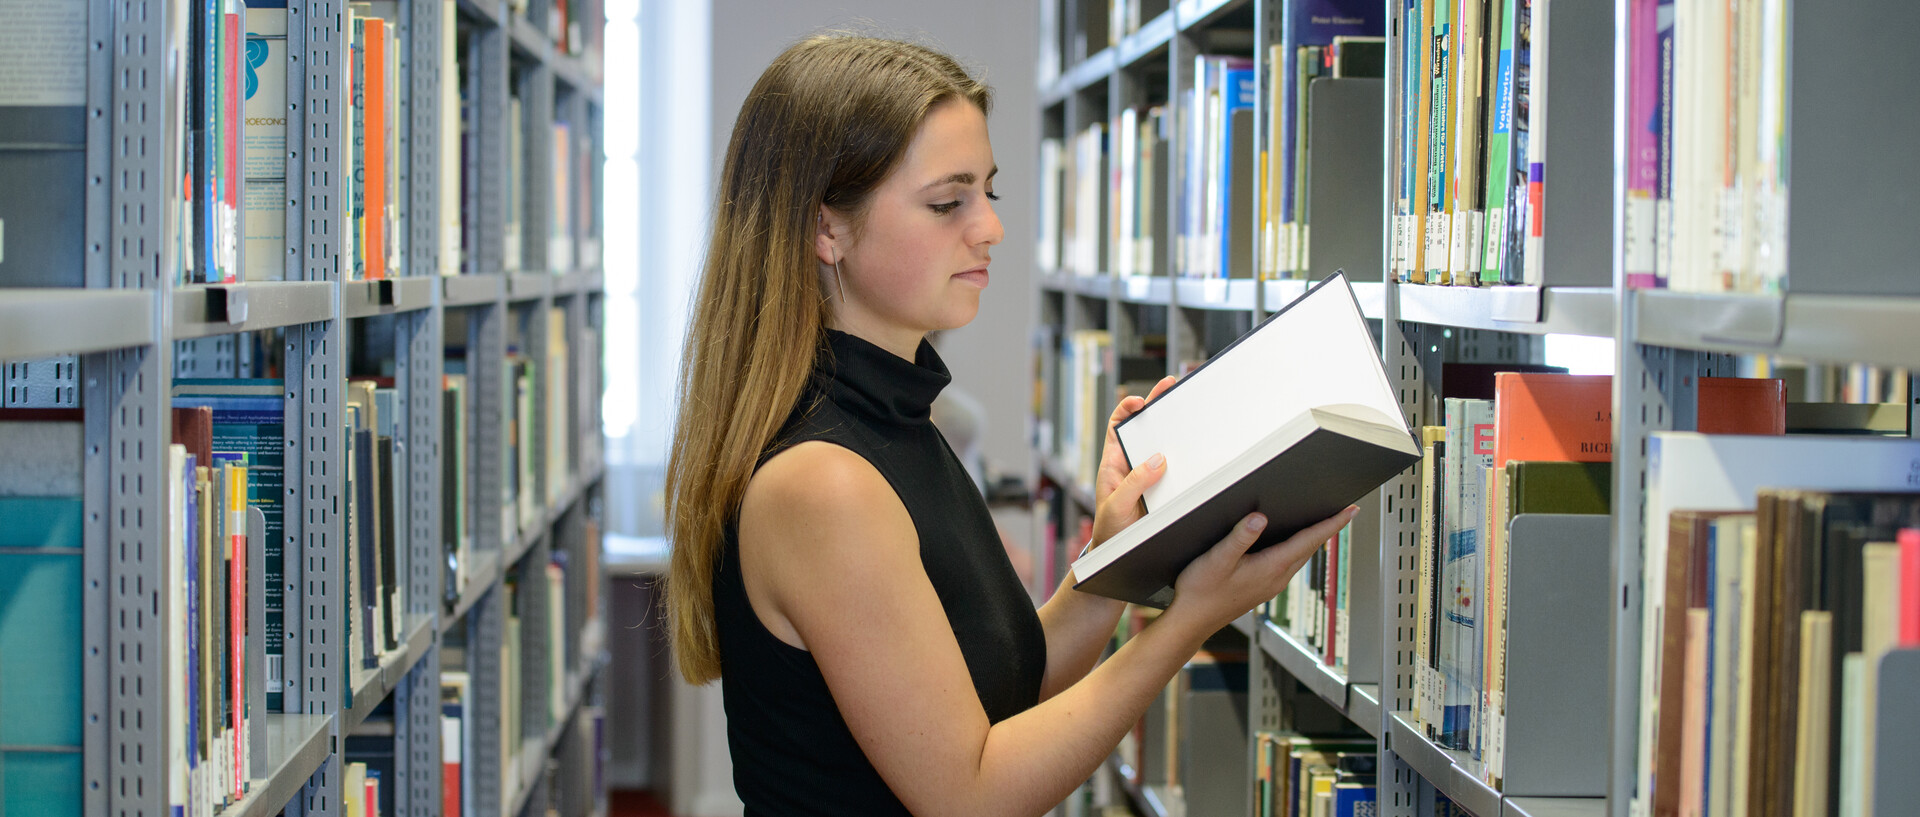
[(113, 347)]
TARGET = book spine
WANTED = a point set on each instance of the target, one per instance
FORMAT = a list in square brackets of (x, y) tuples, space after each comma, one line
[(1909, 542), (1532, 261), (1499, 149), (1643, 93), (1664, 21), (1438, 155), (1408, 120), (370, 104), (1693, 714), (1421, 78)]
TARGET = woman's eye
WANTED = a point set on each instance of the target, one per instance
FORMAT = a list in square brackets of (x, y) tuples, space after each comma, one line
[(992, 196), (943, 209)]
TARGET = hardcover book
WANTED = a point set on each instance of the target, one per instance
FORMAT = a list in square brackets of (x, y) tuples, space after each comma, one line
[(1260, 427)]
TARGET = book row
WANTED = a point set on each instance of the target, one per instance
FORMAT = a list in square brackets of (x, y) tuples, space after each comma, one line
[(1242, 210), (1777, 572), (228, 79), (1469, 205), (585, 743), (1535, 442), (1706, 197)]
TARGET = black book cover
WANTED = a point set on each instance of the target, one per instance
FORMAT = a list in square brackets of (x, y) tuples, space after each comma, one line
[(1263, 427), (390, 618), (363, 497), (1309, 481)]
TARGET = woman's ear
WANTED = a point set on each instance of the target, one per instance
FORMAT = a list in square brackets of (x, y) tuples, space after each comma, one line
[(829, 236)]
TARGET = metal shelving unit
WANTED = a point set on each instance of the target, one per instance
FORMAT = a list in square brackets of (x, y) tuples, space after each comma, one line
[(1851, 298), (113, 347)]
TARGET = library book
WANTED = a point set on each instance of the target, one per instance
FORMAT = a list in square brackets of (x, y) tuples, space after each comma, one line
[(1296, 420)]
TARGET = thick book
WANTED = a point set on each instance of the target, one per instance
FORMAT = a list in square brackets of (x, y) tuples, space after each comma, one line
[(1552, 417), (1263, 427), (1742, 405)]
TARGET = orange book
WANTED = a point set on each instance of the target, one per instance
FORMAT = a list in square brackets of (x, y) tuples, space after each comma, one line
[(1539, 416), (1742, 405), (374, 247)]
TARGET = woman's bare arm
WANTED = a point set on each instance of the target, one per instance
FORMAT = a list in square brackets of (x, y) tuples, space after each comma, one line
[(832, 566)]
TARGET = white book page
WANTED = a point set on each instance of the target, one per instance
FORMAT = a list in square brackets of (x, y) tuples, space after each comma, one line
[(1317, 352)]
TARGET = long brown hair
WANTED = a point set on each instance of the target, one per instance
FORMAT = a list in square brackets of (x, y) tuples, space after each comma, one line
[(825, 124)]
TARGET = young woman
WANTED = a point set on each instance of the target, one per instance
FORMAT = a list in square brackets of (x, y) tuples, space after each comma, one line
[(833, 565)]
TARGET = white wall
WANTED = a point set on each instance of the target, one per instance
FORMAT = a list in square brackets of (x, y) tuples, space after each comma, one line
[(999, 43)]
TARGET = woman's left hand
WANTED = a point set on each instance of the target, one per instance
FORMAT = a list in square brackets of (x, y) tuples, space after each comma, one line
[(1116, 488)]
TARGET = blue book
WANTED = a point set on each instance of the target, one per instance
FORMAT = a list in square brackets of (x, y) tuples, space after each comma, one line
[(249, 419), (1240, 87), (1355, 800), (40, 642)]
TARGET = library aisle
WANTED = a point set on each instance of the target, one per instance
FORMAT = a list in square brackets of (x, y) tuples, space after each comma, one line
[(1669, 583), (302, 483)]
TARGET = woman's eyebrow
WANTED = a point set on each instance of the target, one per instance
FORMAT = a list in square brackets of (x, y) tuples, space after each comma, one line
[(962, 177)]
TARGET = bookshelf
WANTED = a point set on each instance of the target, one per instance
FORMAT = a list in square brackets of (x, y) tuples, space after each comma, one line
[(1844, 303), (124, 312)]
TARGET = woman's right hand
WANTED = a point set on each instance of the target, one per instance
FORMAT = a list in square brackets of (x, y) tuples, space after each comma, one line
[(1227, 581)]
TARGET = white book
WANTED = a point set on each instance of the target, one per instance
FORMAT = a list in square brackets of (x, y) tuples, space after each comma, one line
[(1739, 731), (1048, 245), (1853, 723), (1261, 426), (180, 480), (1816, 706), (1532, 247), (1687, 470), (1727, 551), (449, 148)]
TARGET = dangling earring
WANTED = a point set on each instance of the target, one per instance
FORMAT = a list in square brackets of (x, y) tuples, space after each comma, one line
[(839, 282)]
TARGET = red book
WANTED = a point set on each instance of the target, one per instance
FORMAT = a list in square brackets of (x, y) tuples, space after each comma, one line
[(193, 428), (232, 43), (1564, 417), (1910, 587), (1742, 405), (374, 249), (1332, 592), (234, 504)]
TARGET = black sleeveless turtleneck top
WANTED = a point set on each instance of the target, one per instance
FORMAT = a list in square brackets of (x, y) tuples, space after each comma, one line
[(792, 751)]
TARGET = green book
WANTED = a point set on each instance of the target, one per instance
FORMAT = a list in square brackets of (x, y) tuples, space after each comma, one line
[(1559, 487), (1499, 147)]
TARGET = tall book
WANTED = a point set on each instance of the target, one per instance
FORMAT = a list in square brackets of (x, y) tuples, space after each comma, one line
[(249, 417), (1258, 427), (1444, 71), (1500, 142), (1470, 452), (1643, 177), (265, 165)]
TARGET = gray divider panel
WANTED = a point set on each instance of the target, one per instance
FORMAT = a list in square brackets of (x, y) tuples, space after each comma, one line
[(1579, 187), (1843, 235), (1344, 178), (1364, 626), (1897, 734), (1557, 713)]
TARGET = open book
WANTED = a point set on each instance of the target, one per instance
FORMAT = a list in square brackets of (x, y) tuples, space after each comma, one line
[(1295, 420)]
